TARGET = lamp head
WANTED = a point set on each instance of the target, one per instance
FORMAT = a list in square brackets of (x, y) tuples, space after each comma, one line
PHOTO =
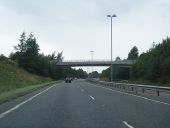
[(114, 15), (111, 15)]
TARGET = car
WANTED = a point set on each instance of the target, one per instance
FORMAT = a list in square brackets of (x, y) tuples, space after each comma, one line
[(68, 80)]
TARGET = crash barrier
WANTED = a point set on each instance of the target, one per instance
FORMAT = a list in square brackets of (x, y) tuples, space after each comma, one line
[(136, 88)]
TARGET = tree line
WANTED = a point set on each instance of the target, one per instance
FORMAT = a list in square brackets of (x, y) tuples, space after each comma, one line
[(27, 56), (152, 65)]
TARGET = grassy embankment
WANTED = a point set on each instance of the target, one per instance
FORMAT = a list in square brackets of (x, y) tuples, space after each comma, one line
[(15, 81)]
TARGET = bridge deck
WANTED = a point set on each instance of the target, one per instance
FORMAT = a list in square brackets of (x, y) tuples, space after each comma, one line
[(127, 63)]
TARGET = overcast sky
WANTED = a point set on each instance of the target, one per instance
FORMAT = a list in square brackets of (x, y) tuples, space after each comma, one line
[(78, 26)]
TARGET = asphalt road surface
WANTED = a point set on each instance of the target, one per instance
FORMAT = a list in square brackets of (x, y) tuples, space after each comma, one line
[(83, 105)]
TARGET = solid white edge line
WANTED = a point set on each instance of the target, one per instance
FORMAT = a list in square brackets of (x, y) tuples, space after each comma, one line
[(22, 103), (92, 97), (131, 94), (128, 125)]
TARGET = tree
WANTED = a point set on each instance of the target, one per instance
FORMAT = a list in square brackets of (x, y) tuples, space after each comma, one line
[(31, 55), (28, 57), (52, 57), (165, 70), (31, 46), (21, 46), (60, 57), (20, 50), (117, 58), (56, 72), (154, 64), (94, 74), (81, 74), (133, 54), (27, 53), (105, 75)]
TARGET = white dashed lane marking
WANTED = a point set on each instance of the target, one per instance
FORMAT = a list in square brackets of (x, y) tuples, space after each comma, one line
[(128, 125), (92, 97)]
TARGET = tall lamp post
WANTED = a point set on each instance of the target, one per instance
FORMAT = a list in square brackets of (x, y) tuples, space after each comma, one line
[(111, 72), (92, 62)]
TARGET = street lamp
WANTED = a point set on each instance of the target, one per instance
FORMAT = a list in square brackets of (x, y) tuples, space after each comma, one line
[(111, 72), (92, 61)]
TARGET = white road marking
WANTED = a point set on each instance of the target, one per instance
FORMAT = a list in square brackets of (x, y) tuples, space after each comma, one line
[(92, 97), (128, 125), (82, 90), (131, 95), (22, 103)]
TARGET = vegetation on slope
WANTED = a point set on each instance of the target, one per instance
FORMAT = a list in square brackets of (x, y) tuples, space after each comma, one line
[(28, 57), (26, 69), (154, 65), (151, 67), (12, 77)]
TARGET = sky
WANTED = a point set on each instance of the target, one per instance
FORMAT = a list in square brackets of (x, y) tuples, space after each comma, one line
[(77, 27)]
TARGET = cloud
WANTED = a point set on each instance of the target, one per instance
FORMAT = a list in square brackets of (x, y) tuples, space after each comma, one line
[(76, 27)]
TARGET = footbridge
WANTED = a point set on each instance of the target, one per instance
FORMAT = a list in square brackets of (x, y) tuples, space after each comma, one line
[(81, 63)]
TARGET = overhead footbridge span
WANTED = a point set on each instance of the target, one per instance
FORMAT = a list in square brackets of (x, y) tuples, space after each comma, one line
[(81, 63)]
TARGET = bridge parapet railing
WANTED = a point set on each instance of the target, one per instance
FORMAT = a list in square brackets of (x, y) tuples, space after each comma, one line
[(121, 61), (99, 60), (137, 88)]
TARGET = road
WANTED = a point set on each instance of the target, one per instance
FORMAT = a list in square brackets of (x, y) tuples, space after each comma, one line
[(83, 105)]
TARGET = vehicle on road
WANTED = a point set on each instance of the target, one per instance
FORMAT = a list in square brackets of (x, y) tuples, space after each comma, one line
[(68, 80)]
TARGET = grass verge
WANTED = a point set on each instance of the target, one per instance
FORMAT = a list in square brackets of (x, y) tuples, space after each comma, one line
[(13, 94)]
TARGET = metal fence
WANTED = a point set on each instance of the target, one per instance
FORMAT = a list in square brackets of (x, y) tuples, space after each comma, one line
[(136, 88)]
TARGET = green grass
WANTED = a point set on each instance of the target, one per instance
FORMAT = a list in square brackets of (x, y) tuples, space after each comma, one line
[(12, 94), (12, 77), (15, 81)]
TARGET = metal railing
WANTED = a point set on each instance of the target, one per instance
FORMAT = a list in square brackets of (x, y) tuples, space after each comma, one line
[(101, 60), (81, 60), (137, 88)]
